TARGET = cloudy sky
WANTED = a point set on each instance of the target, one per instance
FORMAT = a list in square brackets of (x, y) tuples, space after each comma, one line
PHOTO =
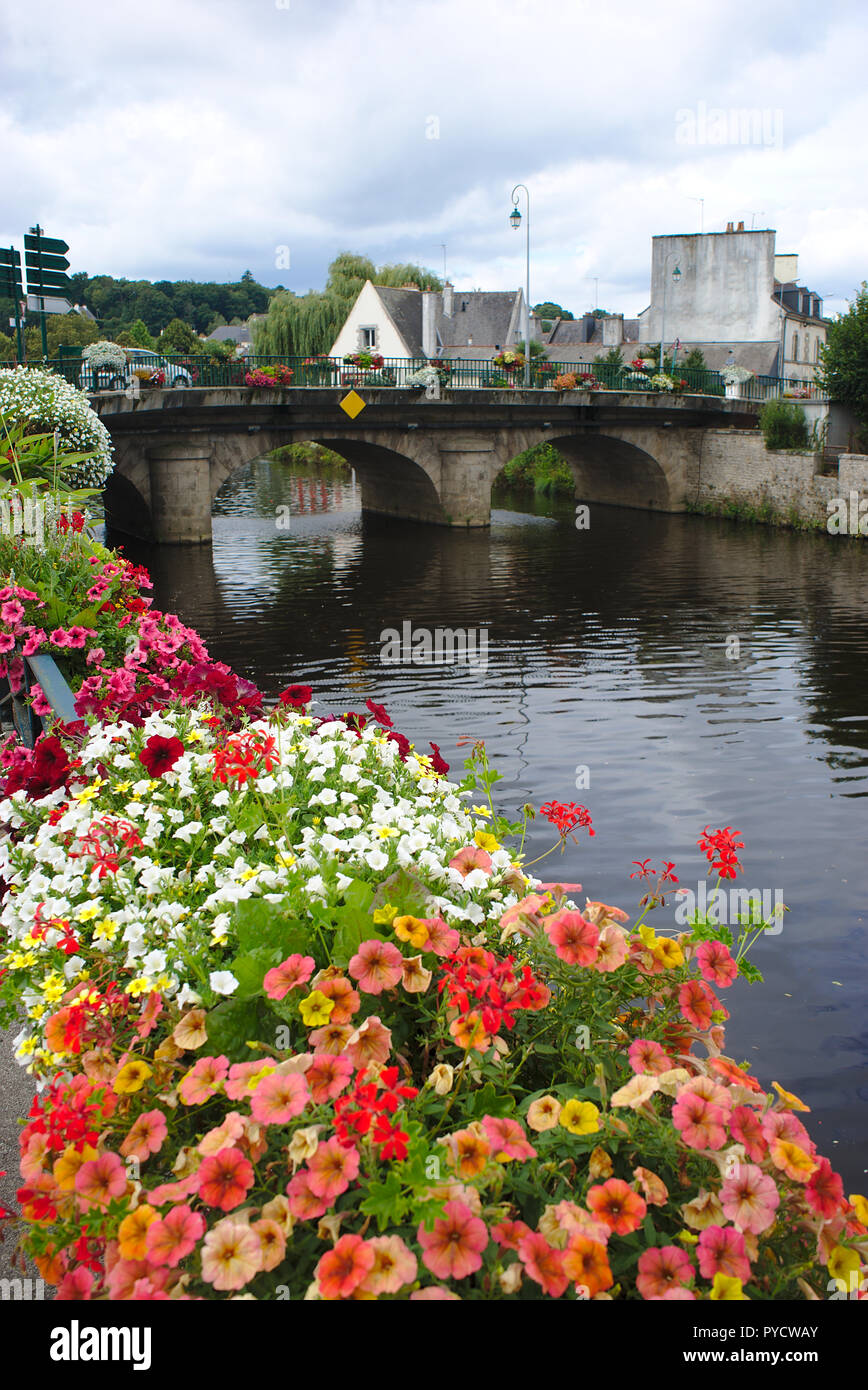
[(197, 138)]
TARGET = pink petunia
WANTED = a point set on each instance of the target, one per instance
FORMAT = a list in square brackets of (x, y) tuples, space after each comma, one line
[(662, 1269), (332, 1168), (175, 1236), (304, 1204), (824, 1192), (442, 939), (574, 939), (716, 964), (370, 1044), (746, 1128), (507, 1138), (721, 1250), (452, 1249), (695, 1003), (146, 1136), (544, 1264), (646, 1056), (292, 973), (327, 1076), (377, 965), (203, 1080), (700, 1123), (470, 858), (279, 1098), (750, 1199)]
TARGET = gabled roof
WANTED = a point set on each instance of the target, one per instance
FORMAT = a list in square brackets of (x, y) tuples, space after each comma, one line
[(404, 308), (486, 316)]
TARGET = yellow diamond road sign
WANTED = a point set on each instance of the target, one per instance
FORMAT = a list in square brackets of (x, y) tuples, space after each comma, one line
[(352, 404)]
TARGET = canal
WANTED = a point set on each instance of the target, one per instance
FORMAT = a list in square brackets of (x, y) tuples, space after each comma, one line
[(682, 671)]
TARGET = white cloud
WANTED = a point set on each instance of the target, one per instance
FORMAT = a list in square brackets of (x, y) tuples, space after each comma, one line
[(192, 138)]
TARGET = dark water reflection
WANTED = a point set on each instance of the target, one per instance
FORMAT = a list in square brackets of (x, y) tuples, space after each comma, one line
[(607, 649)]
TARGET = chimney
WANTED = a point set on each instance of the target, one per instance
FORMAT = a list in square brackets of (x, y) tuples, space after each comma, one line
[(740, 227), (447, 299), (613, 330), (729, 227)]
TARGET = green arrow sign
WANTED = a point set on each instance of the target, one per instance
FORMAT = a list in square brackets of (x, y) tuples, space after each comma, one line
[(51, 245), (47, 283), (33, 260), (9, 257), (10, 284)]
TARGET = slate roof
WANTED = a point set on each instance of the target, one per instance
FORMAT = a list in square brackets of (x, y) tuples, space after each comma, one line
[(405, 310), (483, 315), (229, 333)]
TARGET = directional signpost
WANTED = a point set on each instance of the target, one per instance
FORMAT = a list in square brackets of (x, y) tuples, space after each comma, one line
[(10, 288), (45, 263)]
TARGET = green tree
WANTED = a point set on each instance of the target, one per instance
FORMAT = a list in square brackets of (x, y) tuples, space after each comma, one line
[(844, 358), (61, 330), (695, 360), (550, 310), (613, 358), (178, 338), (136, 335), (7, 348)]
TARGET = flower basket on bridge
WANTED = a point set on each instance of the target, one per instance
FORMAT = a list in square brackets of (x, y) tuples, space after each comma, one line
[(317, 371), (269, 377), (510, 362)]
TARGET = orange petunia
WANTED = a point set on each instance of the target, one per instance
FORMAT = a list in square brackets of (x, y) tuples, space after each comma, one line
[(585, 1263)]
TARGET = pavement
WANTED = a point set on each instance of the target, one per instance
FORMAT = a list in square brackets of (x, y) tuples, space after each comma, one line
[(16, 1093)]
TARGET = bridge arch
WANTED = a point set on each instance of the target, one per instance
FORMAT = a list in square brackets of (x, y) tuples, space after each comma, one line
[(618, 472)]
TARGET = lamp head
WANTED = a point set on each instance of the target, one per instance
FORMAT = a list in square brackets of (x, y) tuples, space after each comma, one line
[(676, 275), (515, 218)]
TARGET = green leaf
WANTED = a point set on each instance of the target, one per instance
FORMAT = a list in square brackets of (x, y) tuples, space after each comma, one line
[(260, 925), (235, 1022), (488, 1102), (387, 1202), (250, 970)]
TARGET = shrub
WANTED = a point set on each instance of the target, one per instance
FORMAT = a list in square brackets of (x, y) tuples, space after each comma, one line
[(48, 404), (783, 425)]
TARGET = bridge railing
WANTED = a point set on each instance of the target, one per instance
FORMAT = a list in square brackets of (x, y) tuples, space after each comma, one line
[(202, 371)]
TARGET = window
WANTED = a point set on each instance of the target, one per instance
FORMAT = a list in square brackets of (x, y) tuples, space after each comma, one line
[(795, 347), (816, 349), (367, 337), (807, 357)]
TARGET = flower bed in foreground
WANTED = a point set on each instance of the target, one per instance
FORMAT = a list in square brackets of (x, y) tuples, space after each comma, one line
[(306, 1027)]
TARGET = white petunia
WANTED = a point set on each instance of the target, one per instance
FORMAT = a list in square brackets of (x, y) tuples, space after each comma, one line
[(223, 982)]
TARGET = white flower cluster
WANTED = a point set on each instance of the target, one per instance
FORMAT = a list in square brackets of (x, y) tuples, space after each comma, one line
[(105, 354), (662, 382), (47, 403), (340, 806), (423, 377)]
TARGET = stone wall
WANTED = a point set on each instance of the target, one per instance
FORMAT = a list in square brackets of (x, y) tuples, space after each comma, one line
[(736, 468)]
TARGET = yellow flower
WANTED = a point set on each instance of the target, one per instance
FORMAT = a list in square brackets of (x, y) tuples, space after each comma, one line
[(36, 1013), (248, 875), (285, 861), (27, 1047), (88, 913), (53, 988), (141, 985), (580, 1117), (687, 1238), (648, 937), (860, 1206), (384, 831), (486, 841), (481, 811), (727, 1289), (384, 915), (122, 786), (254, 1080), (315, 1009), (106, 930), (132, 1233), (66, 1167), (194, 736), (411, 929), (843, 1262), (131, 1077), (89, 792), (790, 1101), (668, 952)]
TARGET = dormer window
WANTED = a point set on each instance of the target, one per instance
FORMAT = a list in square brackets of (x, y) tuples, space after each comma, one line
[(368, 337)]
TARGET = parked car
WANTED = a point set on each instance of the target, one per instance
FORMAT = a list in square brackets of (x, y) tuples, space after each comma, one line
[(138, 359)]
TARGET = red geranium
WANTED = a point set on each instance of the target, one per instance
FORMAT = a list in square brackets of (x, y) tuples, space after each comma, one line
[(295, 695)]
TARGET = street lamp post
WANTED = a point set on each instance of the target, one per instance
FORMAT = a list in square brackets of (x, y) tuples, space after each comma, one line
[(676, 276), (515, 220)]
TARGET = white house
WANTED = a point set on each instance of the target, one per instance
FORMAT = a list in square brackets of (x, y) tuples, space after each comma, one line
[(735, 298), (448, 323)]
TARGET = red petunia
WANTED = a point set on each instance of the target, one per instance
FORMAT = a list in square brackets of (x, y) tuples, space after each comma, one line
[(159, 754)]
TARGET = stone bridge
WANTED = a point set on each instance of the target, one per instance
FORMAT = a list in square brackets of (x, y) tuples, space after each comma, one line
[(417, 459)]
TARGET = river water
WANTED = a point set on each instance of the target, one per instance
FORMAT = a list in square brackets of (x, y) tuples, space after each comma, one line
[(611, 663)]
